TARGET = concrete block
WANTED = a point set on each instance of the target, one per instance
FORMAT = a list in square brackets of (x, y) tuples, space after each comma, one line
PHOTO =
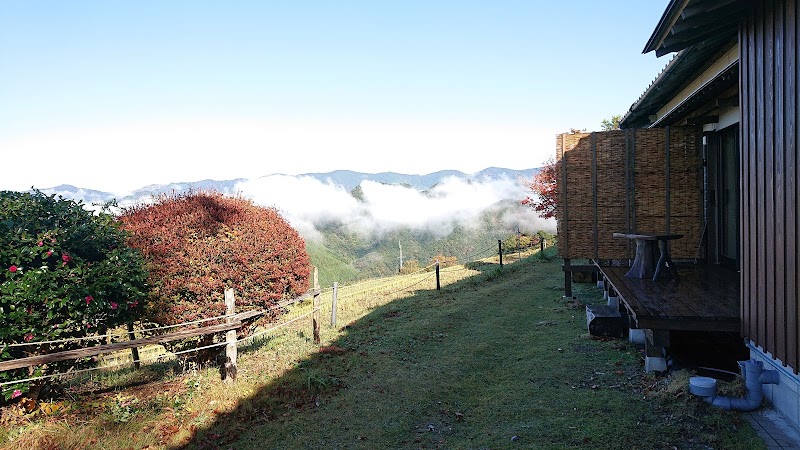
[(637, 336), (655, 364), (784, 396)]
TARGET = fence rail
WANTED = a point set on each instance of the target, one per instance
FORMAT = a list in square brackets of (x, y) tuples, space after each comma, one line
[(232, 323)]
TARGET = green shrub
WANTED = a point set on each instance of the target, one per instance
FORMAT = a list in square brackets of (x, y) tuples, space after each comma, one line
[(65, 272), (410, 266), (199, 243), (444, 261), (516, 242)]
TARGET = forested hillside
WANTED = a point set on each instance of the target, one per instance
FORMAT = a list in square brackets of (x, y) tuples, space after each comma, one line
[(343, 254)]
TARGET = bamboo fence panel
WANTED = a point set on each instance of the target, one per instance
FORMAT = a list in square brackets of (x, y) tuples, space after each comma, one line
[(621, 180)]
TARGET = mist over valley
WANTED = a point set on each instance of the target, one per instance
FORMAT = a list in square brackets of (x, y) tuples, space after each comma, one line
[(356, 224)]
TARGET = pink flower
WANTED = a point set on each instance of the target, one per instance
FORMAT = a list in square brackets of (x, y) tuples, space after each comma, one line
[(66, 258), (114, 305), (49, 253), (12, 269), (28, 337), (17, 393), (135, 304), (41, 243), (89, 299), (88, 325)]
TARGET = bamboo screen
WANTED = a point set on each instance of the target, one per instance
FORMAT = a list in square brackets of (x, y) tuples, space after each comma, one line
[(647, 181)]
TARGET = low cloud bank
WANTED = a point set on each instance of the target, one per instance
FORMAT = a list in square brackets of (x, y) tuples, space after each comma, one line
[(307, 202)]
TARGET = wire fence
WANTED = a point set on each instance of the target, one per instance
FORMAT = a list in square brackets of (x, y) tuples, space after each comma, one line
[(376, 291)]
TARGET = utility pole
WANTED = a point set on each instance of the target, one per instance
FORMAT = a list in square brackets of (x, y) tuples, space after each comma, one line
[(401, 256)]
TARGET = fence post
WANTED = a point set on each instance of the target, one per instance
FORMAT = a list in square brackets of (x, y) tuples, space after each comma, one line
[(315, 307), (500, 251), (438, 280), (230, 338), (134, 350), (333, 303)]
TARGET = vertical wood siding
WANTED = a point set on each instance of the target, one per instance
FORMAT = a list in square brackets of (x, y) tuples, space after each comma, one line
[(769, 166)]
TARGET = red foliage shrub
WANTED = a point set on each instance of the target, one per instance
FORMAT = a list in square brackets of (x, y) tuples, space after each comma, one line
[(544, 185), (200, 243)]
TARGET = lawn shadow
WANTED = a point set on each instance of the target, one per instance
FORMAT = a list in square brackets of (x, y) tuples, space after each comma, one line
[(393, 340)]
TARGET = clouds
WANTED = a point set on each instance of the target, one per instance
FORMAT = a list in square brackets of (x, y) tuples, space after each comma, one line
[(125, 156), (303, 201), (306, 202)]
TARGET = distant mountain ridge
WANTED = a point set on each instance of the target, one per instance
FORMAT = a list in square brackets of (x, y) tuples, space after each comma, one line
[(345, 178), (350, 179)]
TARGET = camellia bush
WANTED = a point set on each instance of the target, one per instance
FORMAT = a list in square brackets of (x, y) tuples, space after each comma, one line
[(65, 272), (199, 243)]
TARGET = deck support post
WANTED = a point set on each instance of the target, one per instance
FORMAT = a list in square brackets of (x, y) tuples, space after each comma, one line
[(567, 278), (613, 298), (655, 346)]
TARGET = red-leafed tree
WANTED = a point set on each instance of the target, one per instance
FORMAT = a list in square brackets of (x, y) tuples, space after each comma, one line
[(543, 188), (199, 243)]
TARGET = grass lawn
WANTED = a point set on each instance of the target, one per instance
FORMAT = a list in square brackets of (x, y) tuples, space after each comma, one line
[(495, 360)]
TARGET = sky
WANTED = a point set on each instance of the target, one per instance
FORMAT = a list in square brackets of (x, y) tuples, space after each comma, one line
[(114, 96)]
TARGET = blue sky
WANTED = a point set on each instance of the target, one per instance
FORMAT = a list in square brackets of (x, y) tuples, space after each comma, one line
[(118, 95)]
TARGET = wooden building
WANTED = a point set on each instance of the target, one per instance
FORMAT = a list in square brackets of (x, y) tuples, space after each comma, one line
[(733, 76)]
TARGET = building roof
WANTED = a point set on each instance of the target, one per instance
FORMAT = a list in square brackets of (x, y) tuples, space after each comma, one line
[(688, 22), (698, 30), (677, 74)]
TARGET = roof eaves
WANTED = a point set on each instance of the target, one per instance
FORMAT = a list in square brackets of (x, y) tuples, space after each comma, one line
[(665, 24), (654, 85), (678, 71)]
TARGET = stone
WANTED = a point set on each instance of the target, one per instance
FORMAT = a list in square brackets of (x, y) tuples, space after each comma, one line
[(605, 321)]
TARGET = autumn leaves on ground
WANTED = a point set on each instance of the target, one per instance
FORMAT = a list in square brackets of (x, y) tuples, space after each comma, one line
[(496, 359)]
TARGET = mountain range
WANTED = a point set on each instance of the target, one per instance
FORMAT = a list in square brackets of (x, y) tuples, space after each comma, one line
[(345, 178)]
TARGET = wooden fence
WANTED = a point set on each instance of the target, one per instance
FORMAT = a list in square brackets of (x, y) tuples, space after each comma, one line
[(232, 322)]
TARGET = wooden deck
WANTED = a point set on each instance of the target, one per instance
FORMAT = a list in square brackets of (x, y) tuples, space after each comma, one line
[(702, 298)]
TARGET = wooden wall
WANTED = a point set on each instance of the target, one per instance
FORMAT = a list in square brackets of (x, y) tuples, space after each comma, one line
[(769, 78), (648, 180)]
